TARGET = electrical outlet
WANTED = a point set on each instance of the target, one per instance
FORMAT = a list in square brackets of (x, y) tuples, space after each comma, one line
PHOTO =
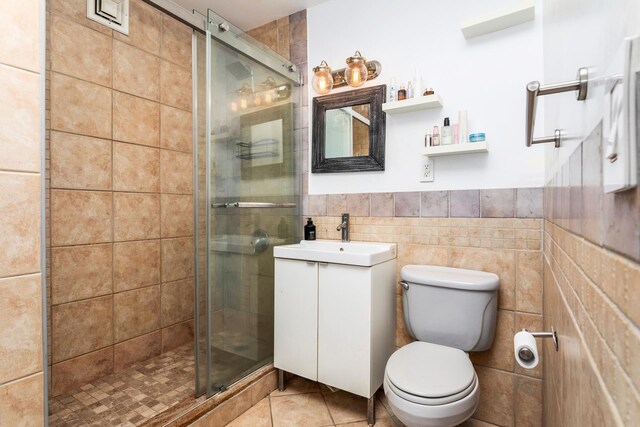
[(426, 171)]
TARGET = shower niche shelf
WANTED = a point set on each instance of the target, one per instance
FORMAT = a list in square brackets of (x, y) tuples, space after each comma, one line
[(413, 104), (453, 149)]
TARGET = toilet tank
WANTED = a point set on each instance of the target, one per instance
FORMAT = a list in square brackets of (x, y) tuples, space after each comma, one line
[(450, 306)]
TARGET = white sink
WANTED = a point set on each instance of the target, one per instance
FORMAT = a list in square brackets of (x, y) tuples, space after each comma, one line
[(364, 254)]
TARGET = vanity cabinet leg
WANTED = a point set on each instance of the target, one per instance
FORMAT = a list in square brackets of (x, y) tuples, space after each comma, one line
[(371, 410), (280, 380)]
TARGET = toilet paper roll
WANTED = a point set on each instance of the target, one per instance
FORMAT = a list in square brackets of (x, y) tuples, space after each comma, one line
[(525, 350)]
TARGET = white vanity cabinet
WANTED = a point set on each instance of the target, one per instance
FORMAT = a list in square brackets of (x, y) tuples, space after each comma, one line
[(335, 323)]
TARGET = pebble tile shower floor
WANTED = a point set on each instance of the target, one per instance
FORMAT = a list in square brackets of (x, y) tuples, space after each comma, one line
[(129, 397)]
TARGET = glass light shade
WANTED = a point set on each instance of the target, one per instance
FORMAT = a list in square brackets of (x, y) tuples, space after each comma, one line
[(322, 81), (356, 72)]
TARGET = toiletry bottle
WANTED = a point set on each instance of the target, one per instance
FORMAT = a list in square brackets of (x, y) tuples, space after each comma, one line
[(392, 90), (309, 230), (402, 93), (427, 140), (435, 136), (456, 128), (463, 127), (447, 133), (409, 90), (417, 83)]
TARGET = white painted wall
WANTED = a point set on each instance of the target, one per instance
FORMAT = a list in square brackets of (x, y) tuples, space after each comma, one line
[(581, 33), (485, 75)]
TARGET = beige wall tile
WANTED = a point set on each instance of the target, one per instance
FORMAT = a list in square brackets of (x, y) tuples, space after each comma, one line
[(136, 312), (496, 396), (19, 223), (19, 118), (176, 86), (80, 162), (136, 350), (500, 355), (74, 333), (136, 71), (80, 272), (80, 107), (136, 264), (176, 129), (528, 401), (136, 120), (80, 217), (177, 172), (144, 27), (136, 168), (20, 35), (177, 301), (73, 373), (177, 335), (176, 42), (176, 215), (20, 327), (177, 259), (529, 282), (80, 52), (77, 11), (22, 402), (500, 262), (137, 216)]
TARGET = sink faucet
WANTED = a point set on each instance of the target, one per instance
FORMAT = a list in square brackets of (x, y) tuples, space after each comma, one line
[(344, 227)]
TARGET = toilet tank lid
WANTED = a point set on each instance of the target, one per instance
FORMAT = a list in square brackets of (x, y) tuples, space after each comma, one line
[(448, 277)]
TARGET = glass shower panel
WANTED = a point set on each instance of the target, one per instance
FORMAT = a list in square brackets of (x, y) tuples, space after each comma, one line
[(248, 202)]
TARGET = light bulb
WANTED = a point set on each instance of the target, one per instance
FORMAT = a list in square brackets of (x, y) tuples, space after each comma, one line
[(356, 72), (322, 81)]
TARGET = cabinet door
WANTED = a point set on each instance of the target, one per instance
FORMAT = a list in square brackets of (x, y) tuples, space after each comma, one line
[(344, 327), (296, 317)]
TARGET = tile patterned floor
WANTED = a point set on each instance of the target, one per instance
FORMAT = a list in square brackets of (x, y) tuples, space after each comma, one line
[(129, 397), (307, 404)]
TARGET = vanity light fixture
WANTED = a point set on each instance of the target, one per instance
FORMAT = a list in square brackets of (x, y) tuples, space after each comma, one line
[(268, 92), (322, 81), (357, 72)]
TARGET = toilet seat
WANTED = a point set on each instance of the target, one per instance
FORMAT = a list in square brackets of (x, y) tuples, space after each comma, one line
[(430, 374)]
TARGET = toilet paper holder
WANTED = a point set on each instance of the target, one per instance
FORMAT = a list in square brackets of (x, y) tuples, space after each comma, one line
[(526, 354)]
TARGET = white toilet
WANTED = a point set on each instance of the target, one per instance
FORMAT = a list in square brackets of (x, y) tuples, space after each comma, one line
[(450, 311)]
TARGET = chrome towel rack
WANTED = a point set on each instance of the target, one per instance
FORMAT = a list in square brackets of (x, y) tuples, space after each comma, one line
[(253, 205), (535, 89)]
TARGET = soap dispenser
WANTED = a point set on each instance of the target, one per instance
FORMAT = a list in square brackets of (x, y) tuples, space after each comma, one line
[(309, 230)]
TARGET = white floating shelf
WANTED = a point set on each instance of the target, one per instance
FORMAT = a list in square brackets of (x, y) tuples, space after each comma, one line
[(453, 149), (412, 104), (506, 18)]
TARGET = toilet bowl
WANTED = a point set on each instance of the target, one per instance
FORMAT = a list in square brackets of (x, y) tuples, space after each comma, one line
[(429, 385), (450, 311)]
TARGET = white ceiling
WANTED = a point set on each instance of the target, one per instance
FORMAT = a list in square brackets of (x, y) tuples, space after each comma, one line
[(248, 14)]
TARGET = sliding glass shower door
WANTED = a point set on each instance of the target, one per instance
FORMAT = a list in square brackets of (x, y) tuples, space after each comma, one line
[(248, 201)]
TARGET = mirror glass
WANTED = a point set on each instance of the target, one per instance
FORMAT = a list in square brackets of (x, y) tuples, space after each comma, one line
[(347, 131)]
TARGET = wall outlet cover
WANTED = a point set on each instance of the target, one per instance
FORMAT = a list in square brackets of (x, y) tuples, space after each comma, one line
[(426, 171)]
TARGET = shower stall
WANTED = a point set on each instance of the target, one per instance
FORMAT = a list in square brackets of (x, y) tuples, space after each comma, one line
[(247, 179)]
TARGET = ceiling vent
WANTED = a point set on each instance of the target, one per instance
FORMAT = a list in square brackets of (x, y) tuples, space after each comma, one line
[(112, 13)]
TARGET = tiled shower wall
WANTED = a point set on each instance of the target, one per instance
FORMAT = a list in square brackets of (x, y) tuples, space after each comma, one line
[(119, 163), (21, 352), (591, 295), (499, 231)]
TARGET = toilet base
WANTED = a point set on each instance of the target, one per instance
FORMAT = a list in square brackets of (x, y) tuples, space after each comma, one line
[(447, 415)]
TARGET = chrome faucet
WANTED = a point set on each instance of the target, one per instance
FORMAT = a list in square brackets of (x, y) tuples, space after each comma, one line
[(344, 227)]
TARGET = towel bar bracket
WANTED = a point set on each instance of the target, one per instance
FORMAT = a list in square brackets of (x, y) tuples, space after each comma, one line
[(535, 89)]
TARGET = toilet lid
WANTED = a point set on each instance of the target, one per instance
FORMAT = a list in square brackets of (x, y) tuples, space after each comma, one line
[(430, 370)]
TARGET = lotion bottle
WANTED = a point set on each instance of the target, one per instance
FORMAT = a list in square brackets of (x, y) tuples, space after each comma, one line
[(447, 133), (435, 136)]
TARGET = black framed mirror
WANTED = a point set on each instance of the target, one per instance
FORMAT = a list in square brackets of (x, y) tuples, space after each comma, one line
[(349, 131)]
